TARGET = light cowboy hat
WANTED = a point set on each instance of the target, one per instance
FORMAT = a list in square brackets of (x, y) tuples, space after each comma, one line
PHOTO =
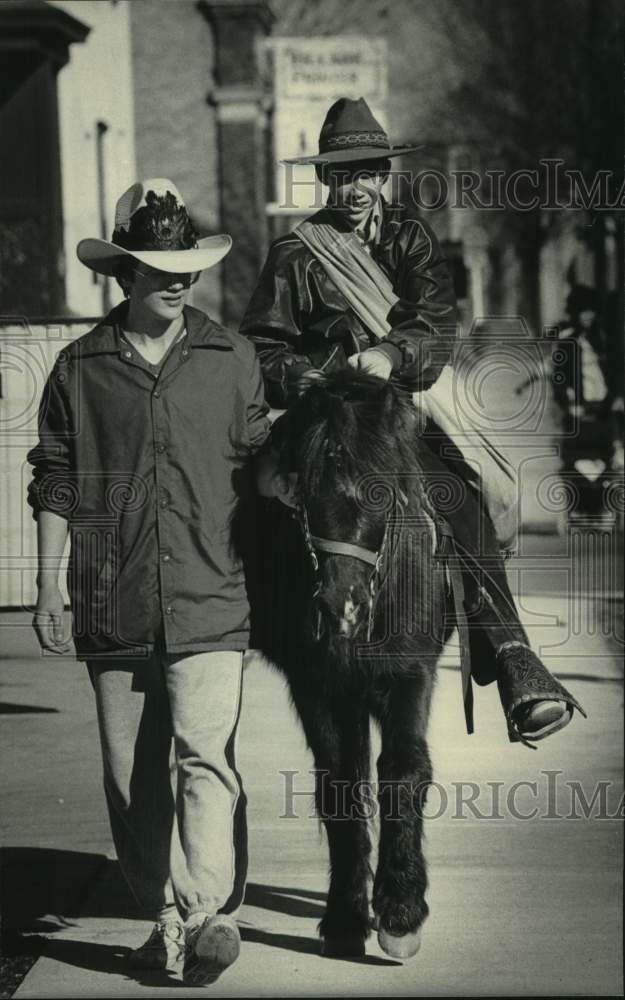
[(350, 132), (152, 226)]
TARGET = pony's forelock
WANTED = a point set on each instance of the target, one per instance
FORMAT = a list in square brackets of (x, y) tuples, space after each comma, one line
[(357, 426)]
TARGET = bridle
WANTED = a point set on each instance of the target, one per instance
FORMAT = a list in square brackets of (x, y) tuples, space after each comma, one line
[(444, 550), (373, 558)]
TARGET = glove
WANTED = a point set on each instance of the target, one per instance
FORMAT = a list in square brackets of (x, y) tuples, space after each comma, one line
[(372, 362)]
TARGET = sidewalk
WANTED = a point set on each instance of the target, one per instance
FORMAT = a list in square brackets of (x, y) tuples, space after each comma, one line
[(517, 907)]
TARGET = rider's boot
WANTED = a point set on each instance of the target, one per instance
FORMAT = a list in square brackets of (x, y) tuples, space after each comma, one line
[(534, 702)]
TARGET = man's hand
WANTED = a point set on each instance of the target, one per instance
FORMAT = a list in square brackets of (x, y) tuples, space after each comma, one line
[(48, 620), (372, 362), (275, 415), (307, 379), (52, 532)]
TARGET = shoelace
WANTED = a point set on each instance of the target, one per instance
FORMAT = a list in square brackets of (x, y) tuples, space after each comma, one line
[(165, 929), (191, 937)]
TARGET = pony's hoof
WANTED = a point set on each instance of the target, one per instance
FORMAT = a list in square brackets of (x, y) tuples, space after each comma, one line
[(352, 946), (403, 947)]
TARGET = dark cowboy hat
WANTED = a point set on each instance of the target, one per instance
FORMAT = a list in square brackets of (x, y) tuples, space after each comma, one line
[(153, 226), (350, 132)]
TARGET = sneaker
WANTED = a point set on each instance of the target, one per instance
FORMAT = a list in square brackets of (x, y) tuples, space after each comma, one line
[(210, 947), (163, 949)]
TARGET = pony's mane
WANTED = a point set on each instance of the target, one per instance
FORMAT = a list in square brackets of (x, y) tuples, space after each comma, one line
[(351, 426)]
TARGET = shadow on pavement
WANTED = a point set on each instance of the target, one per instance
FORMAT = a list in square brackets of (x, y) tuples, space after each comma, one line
[(88, 955), (280, 899), (39, 882), (294, 902), (303, 945), (10, 708), (41, 891), (108, 958), (44, 889)]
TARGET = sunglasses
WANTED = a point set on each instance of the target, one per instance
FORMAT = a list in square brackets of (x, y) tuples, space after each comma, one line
[(186, 280)]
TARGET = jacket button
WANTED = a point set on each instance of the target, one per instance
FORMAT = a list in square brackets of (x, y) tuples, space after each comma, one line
[(169, 610), (163, 502), (166, 557), (160, 446), (156, 393), (127, 354)]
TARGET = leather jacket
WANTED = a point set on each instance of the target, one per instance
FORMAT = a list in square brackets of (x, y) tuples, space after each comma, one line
[(298, 319)]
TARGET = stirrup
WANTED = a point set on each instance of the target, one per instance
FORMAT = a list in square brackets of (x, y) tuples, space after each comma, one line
[(522, 681)]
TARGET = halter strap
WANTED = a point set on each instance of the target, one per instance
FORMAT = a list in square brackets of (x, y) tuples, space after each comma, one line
[(375, 559), (345, 549)]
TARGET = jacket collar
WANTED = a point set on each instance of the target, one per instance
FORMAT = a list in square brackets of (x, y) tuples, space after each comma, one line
[(105, 338)]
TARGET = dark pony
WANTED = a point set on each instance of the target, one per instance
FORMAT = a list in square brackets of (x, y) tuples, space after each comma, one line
[(357, 623)]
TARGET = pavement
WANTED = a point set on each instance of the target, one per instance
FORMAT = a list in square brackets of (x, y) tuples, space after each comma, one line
[(518, 906)]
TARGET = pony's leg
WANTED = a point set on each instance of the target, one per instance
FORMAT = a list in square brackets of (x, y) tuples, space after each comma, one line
[(404, 774), (337, 731)]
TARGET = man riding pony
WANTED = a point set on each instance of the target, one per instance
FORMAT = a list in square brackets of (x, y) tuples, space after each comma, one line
[(360, 284)]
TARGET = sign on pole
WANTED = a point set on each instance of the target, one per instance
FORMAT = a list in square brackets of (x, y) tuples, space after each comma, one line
[(309, 75)]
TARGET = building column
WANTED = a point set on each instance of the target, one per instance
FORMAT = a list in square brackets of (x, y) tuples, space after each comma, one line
[(243, 102), (34, 45)]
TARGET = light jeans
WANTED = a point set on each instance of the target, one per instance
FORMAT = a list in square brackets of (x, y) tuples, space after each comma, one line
[(190, 854)]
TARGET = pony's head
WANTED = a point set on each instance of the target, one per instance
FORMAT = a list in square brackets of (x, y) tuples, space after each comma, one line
[(351, 440)]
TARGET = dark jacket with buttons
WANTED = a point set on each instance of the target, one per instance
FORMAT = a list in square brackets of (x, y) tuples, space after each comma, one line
[(298, 319), (145, 466)]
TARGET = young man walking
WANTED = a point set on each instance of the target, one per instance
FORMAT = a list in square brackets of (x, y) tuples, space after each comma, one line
[(146, 423)]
